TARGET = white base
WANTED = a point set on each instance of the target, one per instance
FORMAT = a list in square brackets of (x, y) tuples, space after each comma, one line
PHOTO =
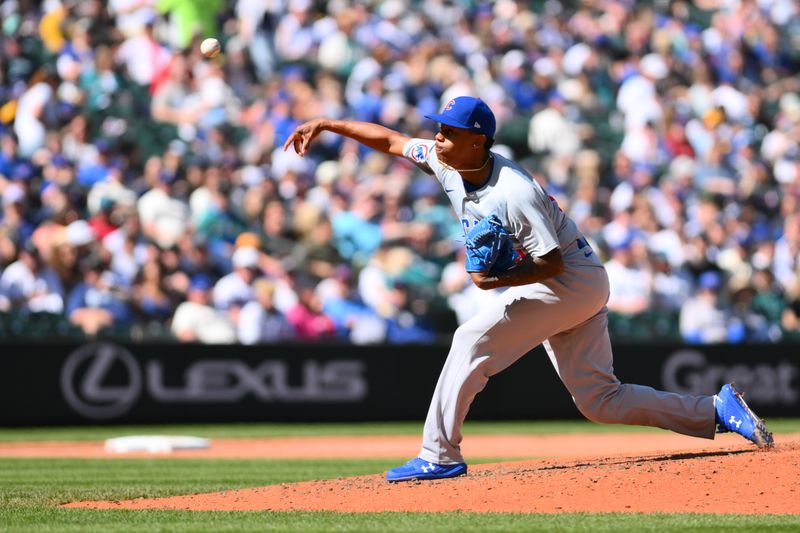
[(155, 444)]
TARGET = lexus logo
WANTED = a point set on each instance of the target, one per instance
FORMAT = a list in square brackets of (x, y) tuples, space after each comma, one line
[(102, 381), (86, 385)]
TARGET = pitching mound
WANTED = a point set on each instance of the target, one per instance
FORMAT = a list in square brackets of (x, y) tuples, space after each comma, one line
[(736, 479)]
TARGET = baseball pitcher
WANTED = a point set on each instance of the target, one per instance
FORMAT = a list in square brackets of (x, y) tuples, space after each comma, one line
[(517, 237)]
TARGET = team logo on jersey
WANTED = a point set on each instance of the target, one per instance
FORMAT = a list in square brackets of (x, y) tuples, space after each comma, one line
[(449, 105), (419, 153)]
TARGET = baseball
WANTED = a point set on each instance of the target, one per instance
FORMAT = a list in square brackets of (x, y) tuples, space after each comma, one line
[(210, 47)]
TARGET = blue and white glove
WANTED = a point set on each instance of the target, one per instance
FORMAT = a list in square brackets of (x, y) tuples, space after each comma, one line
[(489, 247)]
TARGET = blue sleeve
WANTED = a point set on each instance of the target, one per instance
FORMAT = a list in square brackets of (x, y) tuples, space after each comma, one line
[(76, 298), (120, 310)]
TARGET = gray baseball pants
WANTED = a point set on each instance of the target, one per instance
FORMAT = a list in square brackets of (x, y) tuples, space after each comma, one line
[(568, 314)]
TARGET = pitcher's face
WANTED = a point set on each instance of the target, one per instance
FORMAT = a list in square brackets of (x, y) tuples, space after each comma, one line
[(458, 147)]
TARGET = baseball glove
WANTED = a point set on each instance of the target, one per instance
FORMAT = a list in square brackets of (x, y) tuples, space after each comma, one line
[(489, 247)]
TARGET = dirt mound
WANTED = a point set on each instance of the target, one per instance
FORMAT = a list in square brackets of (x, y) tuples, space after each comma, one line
[(737, 479)]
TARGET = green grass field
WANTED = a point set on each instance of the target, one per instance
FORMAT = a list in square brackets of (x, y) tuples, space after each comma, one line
[(31, 489)]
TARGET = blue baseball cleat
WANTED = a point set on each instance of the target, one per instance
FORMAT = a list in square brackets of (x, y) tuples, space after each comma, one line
[(734, 415), (419, 469)]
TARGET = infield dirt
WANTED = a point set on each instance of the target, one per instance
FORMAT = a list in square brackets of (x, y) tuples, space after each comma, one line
[(684, 475)]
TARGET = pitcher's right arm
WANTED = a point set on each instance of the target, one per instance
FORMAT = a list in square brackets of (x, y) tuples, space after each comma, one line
[(369, 134)]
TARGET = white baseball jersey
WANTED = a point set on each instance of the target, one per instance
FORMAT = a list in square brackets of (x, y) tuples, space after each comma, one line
[(530, 215), (567, 313)]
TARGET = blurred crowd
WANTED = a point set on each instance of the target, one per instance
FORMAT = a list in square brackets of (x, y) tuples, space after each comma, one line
[(145, 191)]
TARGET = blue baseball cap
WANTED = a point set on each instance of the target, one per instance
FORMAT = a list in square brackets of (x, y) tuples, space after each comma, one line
[(200, 282), (709, 280), (469, 113)]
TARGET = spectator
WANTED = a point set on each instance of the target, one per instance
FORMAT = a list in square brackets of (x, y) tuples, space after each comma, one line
[(463, 297), (196, 321), (100, 81), (638, 97), (671, 287), (376, 278), (150, 300), (294, 36), (259, 321), (217, 100), (31, 115), (9, 157), (14, 221), (145, 59), (787, 251), (703, 318), (628, 279), (677, 131), (64, 261), (277, 239), (354, 320), (28, 284), (127, 247), (790, 319), (407, 325), (214, 217), (307, 316), (175, 101), (101, 223), (234, 290), (768, 304), (97, 168), (132, 16), (254, 32), (316, 252), (99, 301), (163, 217), (108, 201), (355, 231), (551, 132), (326, 175)]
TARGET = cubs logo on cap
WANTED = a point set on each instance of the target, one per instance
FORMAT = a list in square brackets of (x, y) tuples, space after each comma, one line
[(468, 113)]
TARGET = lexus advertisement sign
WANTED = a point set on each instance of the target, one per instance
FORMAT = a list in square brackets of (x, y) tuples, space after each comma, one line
[(120, 384)]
